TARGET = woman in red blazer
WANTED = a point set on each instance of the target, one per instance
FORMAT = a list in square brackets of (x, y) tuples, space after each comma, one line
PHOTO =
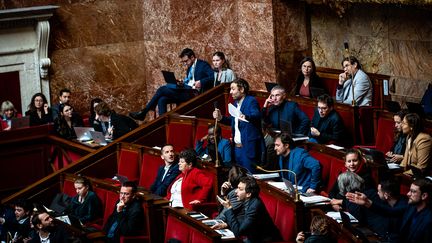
[(8, 112), (192, 185)]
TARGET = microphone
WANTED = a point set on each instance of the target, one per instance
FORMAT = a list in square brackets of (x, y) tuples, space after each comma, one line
[(297, 195), (217, 162), (346, 45), (215, 104)]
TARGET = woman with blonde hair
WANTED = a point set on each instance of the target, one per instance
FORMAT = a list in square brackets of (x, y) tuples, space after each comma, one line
[(8, 112)]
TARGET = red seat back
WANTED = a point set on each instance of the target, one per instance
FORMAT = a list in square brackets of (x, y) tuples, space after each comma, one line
[(111, 199), (384, 135), (180, 133), (149, 168), (337, 167), (325, 162), (177, 229), (128, 163), (283, 215), (68, 188)]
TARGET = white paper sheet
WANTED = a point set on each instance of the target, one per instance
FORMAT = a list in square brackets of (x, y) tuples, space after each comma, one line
[(234, 112)]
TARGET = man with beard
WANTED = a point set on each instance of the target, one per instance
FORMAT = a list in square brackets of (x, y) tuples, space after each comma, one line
[(417, 215), (47, 231), (246, 128), (223, 146), (166, 173), (19, 227)]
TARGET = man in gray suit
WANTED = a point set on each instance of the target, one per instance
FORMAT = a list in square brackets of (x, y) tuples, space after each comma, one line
[(353, 82)]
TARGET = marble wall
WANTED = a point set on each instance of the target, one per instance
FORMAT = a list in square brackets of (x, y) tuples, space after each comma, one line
[(391, 40), (115, 49)]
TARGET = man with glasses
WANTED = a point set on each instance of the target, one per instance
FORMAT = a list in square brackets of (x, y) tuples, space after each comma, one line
[(416, 216), (199, 78), (284, 115), (327, 125), (127, 218), (354, 87)]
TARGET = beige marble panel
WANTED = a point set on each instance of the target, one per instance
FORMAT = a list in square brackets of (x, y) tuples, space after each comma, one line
[(115, 73), (408, 89), (411, 59), (256, 26), (96, 23), (410, 23)]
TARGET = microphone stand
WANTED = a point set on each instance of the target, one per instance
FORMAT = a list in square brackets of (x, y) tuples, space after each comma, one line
[(297, 195), (217, 162)]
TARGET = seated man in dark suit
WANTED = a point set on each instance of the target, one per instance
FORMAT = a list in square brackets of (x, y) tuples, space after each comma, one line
[(199, 77), (166, 173), (256, 224), (277, 111), (327, 125), (127, 218), (64, 98), (18, 227), (118, 125)]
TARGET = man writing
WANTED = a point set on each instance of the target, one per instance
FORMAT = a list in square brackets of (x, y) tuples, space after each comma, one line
[(166, 173), (199, 77), (327, 125), (127, 218)]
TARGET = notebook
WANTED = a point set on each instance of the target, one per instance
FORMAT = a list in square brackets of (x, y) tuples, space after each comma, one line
[(83, 133)]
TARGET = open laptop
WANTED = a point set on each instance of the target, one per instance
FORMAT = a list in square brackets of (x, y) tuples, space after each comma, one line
[(169, 77), (99, 138), (270, 86), (20, 122), (83, 133), (290, 188)]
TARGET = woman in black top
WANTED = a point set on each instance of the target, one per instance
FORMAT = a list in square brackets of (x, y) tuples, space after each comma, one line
[(396, 153), (66, 122), (39, 111)]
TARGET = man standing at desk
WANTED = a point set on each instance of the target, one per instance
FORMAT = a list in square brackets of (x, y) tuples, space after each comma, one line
[(278, 112), (246, 129), (306, 169), (353, 82), (166, 173), (199, 77)]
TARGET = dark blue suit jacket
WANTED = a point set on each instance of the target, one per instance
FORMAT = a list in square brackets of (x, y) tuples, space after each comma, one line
[(290, 112), (307, 169), (160, 186), (203, 73), (251, 135), (256, 224)]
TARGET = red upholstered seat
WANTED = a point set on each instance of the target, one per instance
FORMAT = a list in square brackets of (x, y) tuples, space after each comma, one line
[(111, 199), (282, 214), (177, 229), (149, 168), (325, 162), (307, 109), (180, 133), (128, 163), (68, 188)]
